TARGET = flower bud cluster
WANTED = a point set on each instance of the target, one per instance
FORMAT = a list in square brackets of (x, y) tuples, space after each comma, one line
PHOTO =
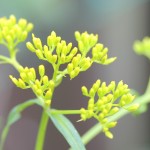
[(57, 52), (105, 101), (63, 52), (42, 87), (99, 52), (143, 47), (78, 64), (13, 32), (99, 55), (85, 41)]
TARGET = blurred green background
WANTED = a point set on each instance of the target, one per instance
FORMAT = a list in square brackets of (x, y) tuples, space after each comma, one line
[(119, 23)]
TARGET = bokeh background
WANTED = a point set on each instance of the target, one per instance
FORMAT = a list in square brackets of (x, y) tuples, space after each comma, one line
[(119, 23)]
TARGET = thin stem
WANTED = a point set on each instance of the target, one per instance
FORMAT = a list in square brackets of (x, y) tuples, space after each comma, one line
[(42, 131), (65, 112), (44, 119), (11, 61), (16, 64)]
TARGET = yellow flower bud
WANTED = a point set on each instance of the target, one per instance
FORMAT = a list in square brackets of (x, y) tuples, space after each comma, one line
[(93, 40), (89, 113), (64, 51), (101, 116), (23, 76), (70, 67), (45, 79), (29, 27), (39, 54), (54, 58), (53, 34), (51, 84), (105, 51), (108, 106), (49, 41), (41, 70), (76, 71), (33, 72), (48, 55), (105, 120), (22, 23), (48, 94), (134, 107), (109, 134), (92, 92), (30, 47), (113, 111), (14, 80), (69, 46), (84, 90), (111, 124), (77, 35), (37, 83), (90, 106), (39, 92), (112, 86), (13, 19), (35, 88), (110, 60), (75, 61), (59, 48), (73, 51), (96, 85), (81, 46), (31, 76), (99, 104), (21, 84), (23, 36)]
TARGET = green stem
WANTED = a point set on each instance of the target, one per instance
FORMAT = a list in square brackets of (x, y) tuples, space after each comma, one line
[(96, 129), (11, 61), (42, 131), (65, 112)]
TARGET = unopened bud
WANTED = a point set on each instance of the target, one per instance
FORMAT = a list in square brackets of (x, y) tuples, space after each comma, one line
[(30, 47), (41, 70), (84, 90)]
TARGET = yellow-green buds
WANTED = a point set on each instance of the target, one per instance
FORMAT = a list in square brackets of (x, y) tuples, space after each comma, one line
[(43, 87), (58, 52), (55, 52), (105, 101), (53, 40), (143, 47), (99, 55), (13, 32), (85, 41), (19, 83), (78, 64)]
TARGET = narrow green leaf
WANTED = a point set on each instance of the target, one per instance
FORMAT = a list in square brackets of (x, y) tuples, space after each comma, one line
[(15, 115), (67, 129)]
